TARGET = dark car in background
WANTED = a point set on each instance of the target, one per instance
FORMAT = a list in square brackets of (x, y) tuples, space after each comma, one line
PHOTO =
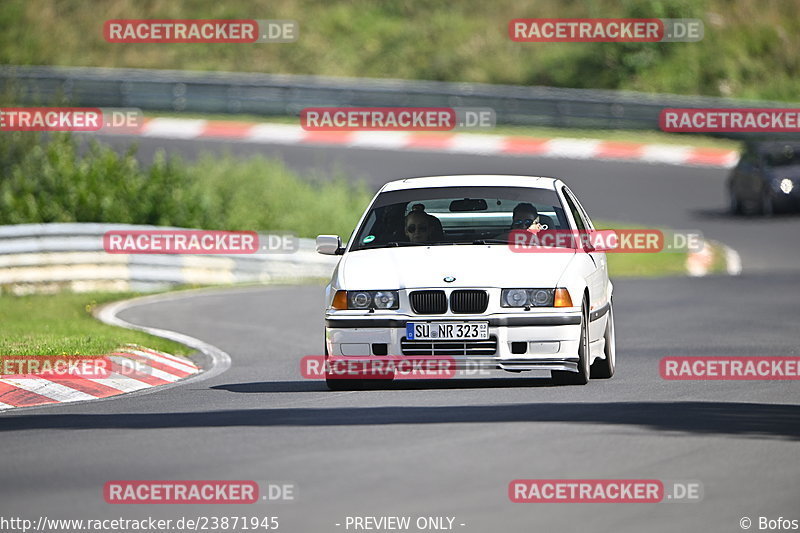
[(767, 179)]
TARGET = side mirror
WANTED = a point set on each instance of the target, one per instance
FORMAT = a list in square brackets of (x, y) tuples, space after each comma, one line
[(329, 245)]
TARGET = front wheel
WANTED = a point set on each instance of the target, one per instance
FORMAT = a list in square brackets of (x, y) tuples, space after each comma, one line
[(581, 377), (735, 205), (604, 368), (335, 384), (767, 208)]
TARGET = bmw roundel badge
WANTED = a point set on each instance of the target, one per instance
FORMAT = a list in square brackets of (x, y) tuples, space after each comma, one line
[(449, 279)]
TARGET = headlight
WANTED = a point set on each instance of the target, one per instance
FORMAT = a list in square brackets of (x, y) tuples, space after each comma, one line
[(372, 300), (358, 300), (515, 298), (527, 297), (385, 300), (786, 185)]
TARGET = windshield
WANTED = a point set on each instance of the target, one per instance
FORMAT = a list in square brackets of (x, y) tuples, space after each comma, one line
[(785, 156), (457, 215)]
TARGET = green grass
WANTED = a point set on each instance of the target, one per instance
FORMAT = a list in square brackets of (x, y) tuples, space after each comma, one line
[(626, 265), (749, 49), (62, 324), (658, 264), (720, 263)]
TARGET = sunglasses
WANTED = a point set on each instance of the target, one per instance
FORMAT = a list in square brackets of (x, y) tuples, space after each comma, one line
[(412, 228), (525, 222)]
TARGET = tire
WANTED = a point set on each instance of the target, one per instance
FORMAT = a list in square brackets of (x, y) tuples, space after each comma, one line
[(581, 377), (344, 384), (767, 206), (734, 204), (604, 368), (336, 384)]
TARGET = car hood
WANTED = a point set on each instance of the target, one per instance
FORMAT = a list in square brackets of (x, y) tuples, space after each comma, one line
[(470, 265)]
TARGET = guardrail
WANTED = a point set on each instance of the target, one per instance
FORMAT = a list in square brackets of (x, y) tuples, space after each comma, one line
[(279, 94), (70, 256)]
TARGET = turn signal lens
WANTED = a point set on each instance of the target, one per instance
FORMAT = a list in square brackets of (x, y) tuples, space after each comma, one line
[(562, 298), (340, 300)]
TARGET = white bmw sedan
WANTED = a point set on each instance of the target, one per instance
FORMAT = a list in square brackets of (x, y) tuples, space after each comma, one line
[(432, 270)]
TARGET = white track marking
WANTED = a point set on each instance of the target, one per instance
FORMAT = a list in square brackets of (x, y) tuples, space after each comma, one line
[(476, 144), (177, 128), (49, 389)]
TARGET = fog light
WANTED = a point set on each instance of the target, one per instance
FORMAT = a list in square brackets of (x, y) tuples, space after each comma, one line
[(519, 347)]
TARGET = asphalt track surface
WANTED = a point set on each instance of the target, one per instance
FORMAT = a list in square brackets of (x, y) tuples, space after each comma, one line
[(450, 448)]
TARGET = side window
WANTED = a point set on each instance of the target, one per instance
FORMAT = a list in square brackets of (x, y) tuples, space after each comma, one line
[(586, 218), (574, 210)]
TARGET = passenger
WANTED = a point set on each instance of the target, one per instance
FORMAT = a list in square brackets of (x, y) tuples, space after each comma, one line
[(421, 226)]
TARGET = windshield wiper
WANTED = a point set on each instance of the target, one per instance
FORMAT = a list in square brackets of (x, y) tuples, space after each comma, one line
[(408, 243), (485, 241)]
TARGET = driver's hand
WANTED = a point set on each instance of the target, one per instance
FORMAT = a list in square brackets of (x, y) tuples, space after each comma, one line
[(535, 227)]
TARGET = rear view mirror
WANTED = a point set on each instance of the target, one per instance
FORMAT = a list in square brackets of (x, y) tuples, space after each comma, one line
[(329, 245), (468, 204)]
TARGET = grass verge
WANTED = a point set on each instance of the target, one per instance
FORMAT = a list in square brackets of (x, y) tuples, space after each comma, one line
[(748, 49), (62, 324), (657, 264)]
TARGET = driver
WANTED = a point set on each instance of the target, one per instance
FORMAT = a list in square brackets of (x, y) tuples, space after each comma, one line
[(526, 217)]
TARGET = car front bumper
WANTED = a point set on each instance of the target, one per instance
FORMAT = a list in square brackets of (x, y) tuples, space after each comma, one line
[(519, 341)]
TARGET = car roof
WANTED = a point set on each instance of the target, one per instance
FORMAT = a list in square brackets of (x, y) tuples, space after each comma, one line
[(472, 180), (772, 146)]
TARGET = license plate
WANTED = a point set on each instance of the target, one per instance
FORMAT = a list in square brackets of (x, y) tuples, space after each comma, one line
[(426, 331)]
